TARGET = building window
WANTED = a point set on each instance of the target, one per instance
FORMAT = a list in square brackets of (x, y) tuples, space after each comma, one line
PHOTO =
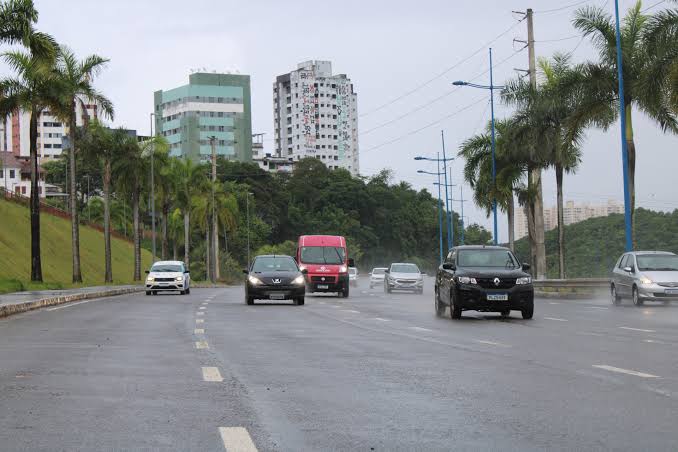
[(23, 190), (336, 157)]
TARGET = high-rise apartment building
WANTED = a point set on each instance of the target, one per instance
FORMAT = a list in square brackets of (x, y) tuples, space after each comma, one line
[(212, 105), (572, 213), (315, 115)]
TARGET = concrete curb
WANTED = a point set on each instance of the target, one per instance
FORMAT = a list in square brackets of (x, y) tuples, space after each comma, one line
[(24, 306)]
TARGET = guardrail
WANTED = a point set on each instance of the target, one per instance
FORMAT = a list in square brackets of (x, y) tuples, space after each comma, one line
[(572, 288)]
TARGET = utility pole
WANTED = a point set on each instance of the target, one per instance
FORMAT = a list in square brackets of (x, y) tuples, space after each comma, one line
[(152, 193), (462, 201), (215, 234)]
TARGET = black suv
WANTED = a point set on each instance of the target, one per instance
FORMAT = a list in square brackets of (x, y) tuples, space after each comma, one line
[(483, 278)]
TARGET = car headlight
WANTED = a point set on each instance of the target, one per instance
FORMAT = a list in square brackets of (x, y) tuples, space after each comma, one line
[(343, 269), (466, 280), (524, 280), (299, 280), (645, 280), (179, 278), (253, 280), (150, 279)]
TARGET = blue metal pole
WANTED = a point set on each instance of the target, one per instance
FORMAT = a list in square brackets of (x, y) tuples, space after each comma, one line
[(451, 213), (494, 163), (447, 201), (440, 214), (625, 151), (461, 189)]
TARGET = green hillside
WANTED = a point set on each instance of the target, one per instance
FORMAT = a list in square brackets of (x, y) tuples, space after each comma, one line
[(15, 252), (593, 246)]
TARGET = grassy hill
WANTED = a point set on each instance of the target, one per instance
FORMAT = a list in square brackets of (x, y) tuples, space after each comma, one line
[(15, 252), (593, 246)]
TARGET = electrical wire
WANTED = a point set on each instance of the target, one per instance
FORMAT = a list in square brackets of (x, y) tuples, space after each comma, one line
[(652, 6), (571, 5), (559, 39)]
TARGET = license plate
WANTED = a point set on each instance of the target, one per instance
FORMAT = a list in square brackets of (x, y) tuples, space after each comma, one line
[(323, 286), (497, 297), (277, 296), (671, 291)]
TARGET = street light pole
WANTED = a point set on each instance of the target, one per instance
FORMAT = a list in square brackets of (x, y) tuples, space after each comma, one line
[(440, 213), (622, 121), (213, 248), (247, 204), (152, 191), (494, 155), (447, 203)]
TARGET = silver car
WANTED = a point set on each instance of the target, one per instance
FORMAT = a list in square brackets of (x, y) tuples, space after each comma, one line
[(168, 276), (377, 276), (645, 276), (404, 276)]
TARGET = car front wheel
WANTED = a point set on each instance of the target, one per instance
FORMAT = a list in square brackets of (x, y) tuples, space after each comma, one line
[(440, 308), (528, 312), (636, 297), (616, 299), (300, 301)]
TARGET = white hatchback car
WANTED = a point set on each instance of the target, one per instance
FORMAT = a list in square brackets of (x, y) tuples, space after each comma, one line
[(377, 276), (167, 276)]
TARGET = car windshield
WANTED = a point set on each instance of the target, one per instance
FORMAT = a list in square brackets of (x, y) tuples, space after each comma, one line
[(378, 271), (487, 258), (404, 268), (657, 262), (323, 255), (166, 268), (274, 264)]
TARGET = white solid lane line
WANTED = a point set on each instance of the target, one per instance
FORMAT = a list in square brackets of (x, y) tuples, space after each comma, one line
[(624, 371), (418, 328), (237, 439), (200, 345), (381, 320), (556, 319), (200, 313), (597, 307), (636, 329), (199, 331), (69, 305), (211, 374), (497, 344), (554, 302), (199, 320)]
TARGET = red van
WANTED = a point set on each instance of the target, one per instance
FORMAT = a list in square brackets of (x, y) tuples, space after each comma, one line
[(325, 258)]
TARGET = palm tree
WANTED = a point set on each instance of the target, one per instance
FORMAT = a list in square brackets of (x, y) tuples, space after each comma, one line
[(76, 89), (547, 110), (477, 150), (660, 79), (599, 83), (164, 186), (17, 18), (188, 177), (31, 90), (129, 172)]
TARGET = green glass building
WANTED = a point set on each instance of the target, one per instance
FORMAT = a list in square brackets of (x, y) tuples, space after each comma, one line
[(211, 105)]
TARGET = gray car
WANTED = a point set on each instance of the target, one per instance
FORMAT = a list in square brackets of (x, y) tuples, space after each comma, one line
[(645, 276), (404, 276)]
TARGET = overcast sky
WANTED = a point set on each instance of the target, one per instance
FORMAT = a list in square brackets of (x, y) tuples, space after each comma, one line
[(387, 48)]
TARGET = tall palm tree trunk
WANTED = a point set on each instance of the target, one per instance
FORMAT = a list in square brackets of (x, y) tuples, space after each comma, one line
[(561, 222), (137, 234), (187, 238), (510, 213), (108, 273), (631, 149), (75, 224), (540, 247), (208, 251), (36, 264), (215, 245), (529, 213), (165, 238), (175, 250)]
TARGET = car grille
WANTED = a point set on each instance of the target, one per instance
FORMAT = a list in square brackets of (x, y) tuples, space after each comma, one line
[(164, 279), (664, 295), (281, 281), (504, 283), (323, 279), (668, 284), (406, 281)]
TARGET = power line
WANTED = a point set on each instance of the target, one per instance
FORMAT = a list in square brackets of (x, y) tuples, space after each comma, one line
[(652, 6), (559, 39), (571, 5), (429, 81)]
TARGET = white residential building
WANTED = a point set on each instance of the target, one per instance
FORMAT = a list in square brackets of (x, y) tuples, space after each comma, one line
[(572, 213), (315, 115), (15, 177)]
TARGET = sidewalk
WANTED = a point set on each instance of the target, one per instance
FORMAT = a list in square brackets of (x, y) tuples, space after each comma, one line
[(14, 303)]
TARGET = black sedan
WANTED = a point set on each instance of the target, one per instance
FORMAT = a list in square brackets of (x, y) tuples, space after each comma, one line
[(486, 279), (273, 277)]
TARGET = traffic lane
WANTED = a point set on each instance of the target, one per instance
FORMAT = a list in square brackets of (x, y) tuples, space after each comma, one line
[(322, 377), (113, 374)]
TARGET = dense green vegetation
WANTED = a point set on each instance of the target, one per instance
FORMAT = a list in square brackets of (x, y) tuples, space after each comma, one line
[(593, 246)]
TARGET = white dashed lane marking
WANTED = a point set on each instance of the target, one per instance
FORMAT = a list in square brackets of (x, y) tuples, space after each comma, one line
[(237, 439), (496, 344), (200, 313), (199, 331), (555, 318), (418, 328), (636, 329), (202, 308), (624, 371), (200, 345), (211, 374), (199, 320), (352, 311), (381, 320)]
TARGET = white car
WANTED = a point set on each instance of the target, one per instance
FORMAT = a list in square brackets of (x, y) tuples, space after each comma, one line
[(353, 276), (167, 276), (377, 276), (404, 276)]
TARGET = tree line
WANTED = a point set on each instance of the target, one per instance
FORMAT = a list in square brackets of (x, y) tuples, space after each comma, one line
[(548, 127)]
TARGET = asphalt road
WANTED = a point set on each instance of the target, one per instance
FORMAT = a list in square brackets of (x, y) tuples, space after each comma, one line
[(205, 372)]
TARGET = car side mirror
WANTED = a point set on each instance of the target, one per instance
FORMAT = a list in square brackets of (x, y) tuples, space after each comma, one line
[(351, 262), (245, 271), (304, 272), (526, 266), (628, 269), (449, 266), (147, 272)]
